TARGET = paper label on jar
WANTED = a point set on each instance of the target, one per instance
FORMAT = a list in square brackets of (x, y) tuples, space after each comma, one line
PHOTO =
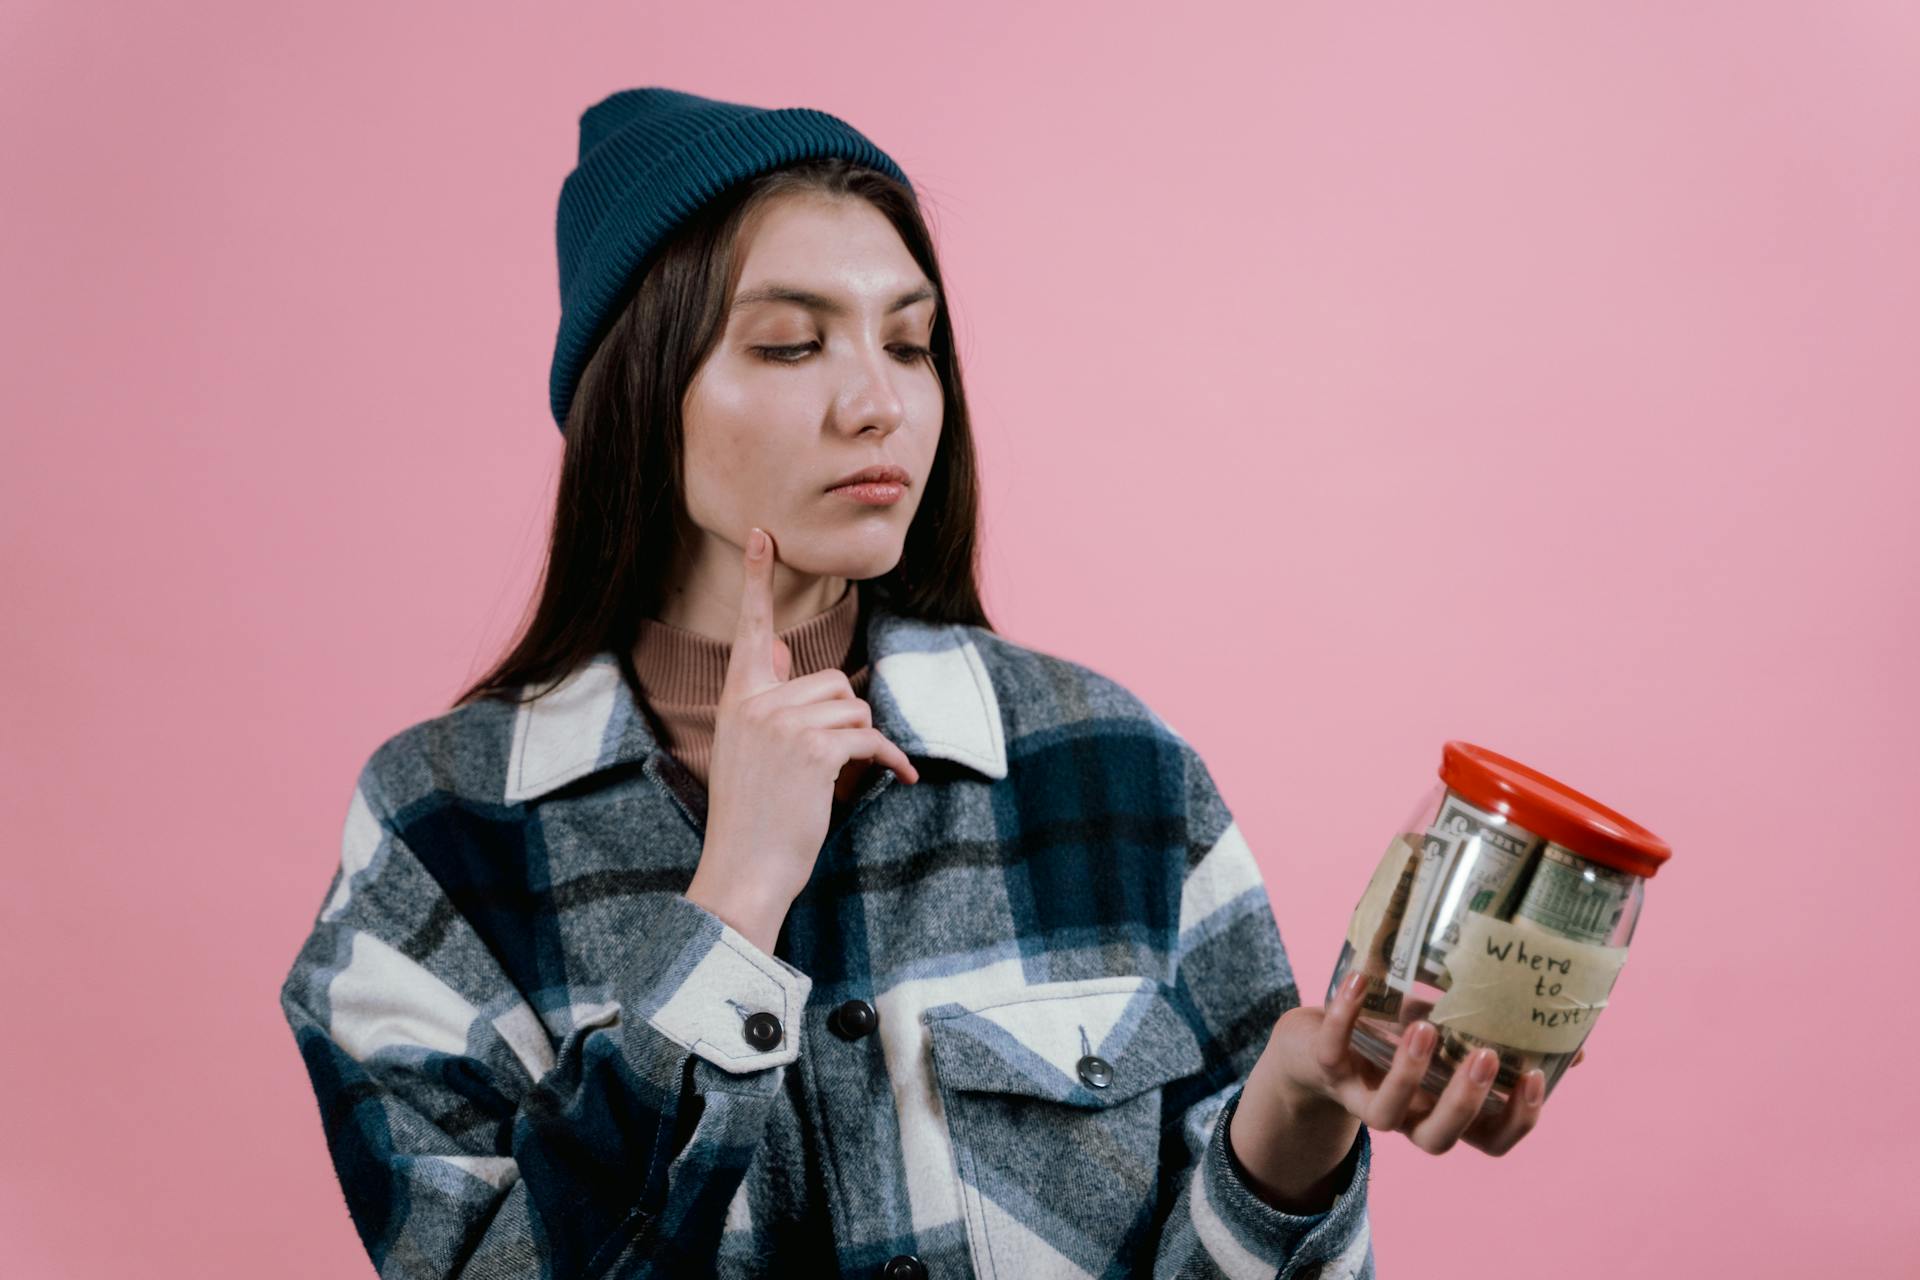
[(1376, 905), (1518, 985)]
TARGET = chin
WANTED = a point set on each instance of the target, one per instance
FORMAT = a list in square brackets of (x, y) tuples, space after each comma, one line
[(843, 561)]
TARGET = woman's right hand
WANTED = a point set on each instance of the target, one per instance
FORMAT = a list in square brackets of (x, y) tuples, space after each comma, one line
[(778, 746)]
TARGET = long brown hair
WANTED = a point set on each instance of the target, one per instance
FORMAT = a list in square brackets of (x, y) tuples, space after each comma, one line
[(620, 511)]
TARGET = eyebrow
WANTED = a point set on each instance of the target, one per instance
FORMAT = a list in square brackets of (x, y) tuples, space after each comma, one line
[(820, 302)]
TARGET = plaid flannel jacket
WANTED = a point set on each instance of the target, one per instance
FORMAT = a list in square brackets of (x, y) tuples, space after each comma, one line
[(534, 1057)]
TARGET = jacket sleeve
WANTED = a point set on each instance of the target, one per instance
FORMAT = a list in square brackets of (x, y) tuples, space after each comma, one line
[(475, 1137), (1233, 969)]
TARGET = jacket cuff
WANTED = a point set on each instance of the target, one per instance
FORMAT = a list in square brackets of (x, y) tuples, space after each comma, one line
[(1249, 1236), (701, 984)]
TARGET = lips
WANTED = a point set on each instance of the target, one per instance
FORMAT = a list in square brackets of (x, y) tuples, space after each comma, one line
[(872, 475)]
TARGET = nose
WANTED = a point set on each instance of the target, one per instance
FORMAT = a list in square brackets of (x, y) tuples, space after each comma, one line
[(871, 401)]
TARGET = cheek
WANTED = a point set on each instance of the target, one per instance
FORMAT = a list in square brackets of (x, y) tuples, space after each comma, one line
[(738, 416), (732, 466)]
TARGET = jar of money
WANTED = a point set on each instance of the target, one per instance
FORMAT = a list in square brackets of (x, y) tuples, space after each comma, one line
[(1501, 913)]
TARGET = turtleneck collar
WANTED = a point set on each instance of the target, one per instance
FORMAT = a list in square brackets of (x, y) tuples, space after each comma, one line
[(679, 667)]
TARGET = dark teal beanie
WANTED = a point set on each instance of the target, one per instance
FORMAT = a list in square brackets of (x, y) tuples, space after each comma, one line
[(648, 159)]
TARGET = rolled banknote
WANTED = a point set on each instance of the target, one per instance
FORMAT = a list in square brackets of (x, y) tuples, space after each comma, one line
[(1575, 898), (1487, 876), (1473, 860)]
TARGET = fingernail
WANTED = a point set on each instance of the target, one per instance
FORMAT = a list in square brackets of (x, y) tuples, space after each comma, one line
[(1536, 1088), (1422, 1039), (1352, 986), (756, 543), (1485, 1063)]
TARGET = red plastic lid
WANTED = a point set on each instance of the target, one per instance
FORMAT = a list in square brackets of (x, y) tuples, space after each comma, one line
[(1551, 809)]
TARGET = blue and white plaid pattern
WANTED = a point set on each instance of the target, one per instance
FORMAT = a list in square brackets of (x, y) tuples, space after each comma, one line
[(528, 1047)]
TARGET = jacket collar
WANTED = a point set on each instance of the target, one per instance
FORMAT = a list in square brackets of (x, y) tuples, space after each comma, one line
[(929, 688)]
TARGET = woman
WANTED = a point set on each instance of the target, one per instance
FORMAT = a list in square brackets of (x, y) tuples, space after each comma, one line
[(765, 911)]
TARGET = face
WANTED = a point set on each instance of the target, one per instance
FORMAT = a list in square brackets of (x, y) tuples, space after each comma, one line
[(802, 391)]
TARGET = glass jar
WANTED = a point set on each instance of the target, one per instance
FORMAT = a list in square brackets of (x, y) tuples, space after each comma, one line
[(1501, 913)]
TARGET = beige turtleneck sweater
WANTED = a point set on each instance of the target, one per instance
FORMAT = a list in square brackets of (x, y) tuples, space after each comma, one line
[(681, 673)]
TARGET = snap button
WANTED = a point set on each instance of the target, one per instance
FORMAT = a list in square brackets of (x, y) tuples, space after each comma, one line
[(904, 1267), (1095, 1072), (853, 1019), (762, 1030)]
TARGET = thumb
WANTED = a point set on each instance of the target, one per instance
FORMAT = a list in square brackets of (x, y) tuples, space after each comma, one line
[(750, 663)]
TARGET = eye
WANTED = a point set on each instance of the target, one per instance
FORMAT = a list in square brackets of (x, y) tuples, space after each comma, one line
[(906, 353), (784, 355)]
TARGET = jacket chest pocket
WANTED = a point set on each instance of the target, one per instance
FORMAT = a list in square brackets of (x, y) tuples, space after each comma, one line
[(1053, 1095)]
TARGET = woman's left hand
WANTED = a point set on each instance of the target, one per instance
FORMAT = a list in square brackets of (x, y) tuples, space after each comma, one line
[(1309, 1093), (1317, 1057)]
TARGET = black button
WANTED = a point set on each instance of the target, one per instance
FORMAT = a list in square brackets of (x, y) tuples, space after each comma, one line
[(904, 1267), (853, 1019), (1095, 1072), (763, 1030)]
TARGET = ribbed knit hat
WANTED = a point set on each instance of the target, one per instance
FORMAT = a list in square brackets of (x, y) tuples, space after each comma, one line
[(648, 159)]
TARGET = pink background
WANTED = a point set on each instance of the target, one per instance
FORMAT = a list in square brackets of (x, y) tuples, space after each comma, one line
[(1346, 381)]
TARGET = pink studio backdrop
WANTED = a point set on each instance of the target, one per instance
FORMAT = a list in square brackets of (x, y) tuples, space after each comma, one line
[(1346, 382)]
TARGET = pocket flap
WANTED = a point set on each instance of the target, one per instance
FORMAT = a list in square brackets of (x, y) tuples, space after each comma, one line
[(1031, 1040)]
